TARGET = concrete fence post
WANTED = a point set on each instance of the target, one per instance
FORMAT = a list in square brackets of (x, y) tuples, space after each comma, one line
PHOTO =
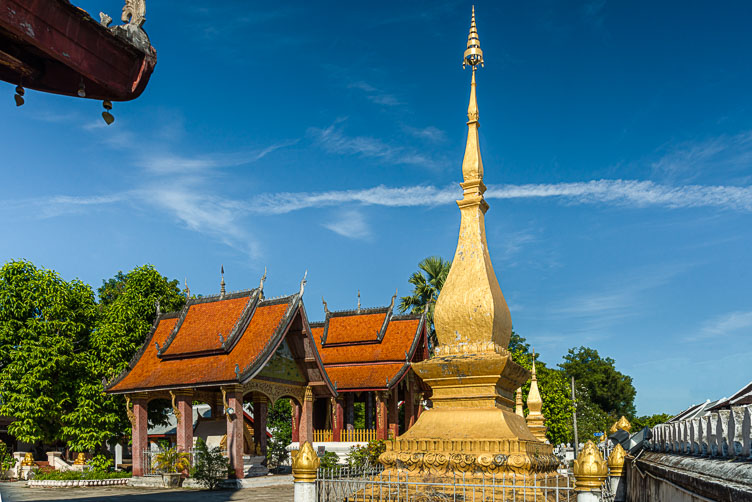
[(735, 431), (694, 444), (722, 432), (590, 472), (746, 432), (304, 467)]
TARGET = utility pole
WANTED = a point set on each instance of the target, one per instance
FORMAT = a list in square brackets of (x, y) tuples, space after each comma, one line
[(574, 419)]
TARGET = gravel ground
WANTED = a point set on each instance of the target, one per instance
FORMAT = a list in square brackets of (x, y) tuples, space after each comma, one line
[(19, 492)]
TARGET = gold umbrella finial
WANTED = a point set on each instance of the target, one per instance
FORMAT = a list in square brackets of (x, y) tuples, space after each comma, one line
[(473, 54)]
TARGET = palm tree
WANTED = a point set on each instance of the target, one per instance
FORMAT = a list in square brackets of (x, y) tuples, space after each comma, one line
[(427, 283)]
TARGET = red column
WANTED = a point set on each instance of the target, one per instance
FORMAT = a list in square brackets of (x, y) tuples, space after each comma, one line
[(295, 421), (139, 423), (381, 415), (235, 431), (393, 416), (338, 417), (409, 403), (260, 412), (306, 418), (184, 405)]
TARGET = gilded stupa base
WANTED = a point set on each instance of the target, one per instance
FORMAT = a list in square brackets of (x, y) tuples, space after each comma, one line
[(472, 429)]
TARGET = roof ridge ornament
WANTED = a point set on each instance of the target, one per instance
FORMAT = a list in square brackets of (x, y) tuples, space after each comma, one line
[(222, 283), (326, 307), (303, 282), (358, 301), (261, 284), (134, 12)]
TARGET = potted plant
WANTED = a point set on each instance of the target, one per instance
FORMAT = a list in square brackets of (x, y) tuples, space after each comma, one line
[(171, 463)]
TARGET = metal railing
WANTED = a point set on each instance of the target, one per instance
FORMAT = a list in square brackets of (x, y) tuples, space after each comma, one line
[(337, 487), (348, 436), (322, 435), (359, 435)]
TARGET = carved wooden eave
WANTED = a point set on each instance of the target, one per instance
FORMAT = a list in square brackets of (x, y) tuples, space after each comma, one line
[(53, 46)]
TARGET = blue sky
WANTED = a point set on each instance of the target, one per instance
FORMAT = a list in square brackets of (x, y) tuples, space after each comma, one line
[(328, 137)]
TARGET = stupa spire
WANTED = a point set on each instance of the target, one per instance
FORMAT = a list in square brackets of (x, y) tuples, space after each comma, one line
[(471, 308), (535, 419)]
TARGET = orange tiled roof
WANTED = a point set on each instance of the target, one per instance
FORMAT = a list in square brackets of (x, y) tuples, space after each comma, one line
[(152, 371), (359, 359), (204, 323)]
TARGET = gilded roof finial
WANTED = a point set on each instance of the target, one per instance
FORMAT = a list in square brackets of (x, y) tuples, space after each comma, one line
[(261, 284), (222, 283), (473, 54), (303, 282), (326, 307), (358, 300)]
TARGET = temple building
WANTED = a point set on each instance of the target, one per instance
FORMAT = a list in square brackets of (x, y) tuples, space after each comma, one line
[(367, 354), (224, 351)]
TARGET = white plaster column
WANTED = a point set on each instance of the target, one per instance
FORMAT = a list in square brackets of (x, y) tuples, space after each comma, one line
[(712, 434), (747, 432), (694, 425), (118, 454), (721, 433), (583, 497)]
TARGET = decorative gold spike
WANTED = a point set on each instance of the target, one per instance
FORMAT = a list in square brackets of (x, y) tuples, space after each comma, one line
[(473, 54), (518, 402), (621, 424), (305, 464), (590, 470), (616, 461)]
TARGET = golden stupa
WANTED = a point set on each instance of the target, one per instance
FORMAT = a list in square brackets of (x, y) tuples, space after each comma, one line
[(472, 428)]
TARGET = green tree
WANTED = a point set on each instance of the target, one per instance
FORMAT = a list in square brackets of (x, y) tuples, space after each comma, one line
[(650, 421), (609, 389), (126, 316), (45, 323), (427, 283)]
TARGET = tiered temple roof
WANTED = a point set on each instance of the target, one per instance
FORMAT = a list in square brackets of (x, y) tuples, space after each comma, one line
[(369, 349), (222, 340)]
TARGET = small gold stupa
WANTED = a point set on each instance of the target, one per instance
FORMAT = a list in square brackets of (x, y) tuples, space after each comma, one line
[(472, 427)]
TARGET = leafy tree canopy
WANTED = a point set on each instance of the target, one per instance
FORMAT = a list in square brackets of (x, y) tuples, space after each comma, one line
[(44, 326), (608, 388), (427, 283), (126, 315)]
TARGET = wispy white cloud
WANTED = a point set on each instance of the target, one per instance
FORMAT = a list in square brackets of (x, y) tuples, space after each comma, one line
[(628, 193), (430, 133), (374, 94), (350, 224), (722, 154), (727, 324), (334, 140)]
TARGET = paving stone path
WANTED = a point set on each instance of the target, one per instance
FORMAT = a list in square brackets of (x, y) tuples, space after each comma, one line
[(18, 492)]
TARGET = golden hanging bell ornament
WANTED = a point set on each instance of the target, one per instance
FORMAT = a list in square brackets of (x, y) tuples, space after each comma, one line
[(19, 95), (106, 115)]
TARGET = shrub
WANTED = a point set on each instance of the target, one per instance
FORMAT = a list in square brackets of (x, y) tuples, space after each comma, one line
[(171, 461), (363, 457), (100, 463), (329, 460), (7, 460), (211, 466), (75, 475), (276, 450)]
